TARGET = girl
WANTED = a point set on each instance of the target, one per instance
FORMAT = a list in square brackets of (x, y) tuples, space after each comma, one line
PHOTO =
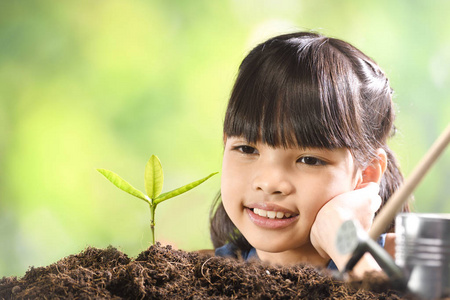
[(305, 137)]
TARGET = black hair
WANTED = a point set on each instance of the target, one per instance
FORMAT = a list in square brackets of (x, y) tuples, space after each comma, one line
[(307, 90)]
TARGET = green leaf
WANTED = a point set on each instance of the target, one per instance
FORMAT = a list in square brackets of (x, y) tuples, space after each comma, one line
[(154, 177), (182, 189), (122, 184)]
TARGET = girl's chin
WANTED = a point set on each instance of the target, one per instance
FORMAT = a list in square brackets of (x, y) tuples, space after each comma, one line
[(287, 254), (271, 250)]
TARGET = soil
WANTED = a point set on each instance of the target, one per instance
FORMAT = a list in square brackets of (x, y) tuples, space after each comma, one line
[(163, 273)]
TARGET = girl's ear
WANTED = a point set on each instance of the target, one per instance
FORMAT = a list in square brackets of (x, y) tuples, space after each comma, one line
[(375, 170)]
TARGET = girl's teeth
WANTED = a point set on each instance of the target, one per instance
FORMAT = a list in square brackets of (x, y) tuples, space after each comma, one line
[(271, 214), (260, 212)]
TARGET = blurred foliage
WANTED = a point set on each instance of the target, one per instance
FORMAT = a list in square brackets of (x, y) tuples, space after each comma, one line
[(103, 84)]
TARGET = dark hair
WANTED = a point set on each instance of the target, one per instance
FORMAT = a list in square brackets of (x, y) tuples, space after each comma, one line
[(307, 90)]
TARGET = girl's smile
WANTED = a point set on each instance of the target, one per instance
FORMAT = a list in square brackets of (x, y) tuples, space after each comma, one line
[(271, 219), (273, 194), (270, 215)]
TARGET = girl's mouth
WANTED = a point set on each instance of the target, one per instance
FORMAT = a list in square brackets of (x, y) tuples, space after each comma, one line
[(271, 219), (271, 214)]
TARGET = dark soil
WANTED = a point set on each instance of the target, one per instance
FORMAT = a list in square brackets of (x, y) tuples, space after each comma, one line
[(162, 273)]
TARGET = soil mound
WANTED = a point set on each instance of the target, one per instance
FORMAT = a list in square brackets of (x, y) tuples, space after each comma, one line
[(163, 273)]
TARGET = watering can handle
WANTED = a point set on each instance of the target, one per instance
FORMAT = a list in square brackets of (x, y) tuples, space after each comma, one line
[(384, 260), (390, 209), (351, 238)]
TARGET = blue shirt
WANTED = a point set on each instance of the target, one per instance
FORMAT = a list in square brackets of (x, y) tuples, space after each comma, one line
[(230, 250)]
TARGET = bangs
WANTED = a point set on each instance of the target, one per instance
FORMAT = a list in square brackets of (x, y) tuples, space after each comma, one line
[(289, 95)]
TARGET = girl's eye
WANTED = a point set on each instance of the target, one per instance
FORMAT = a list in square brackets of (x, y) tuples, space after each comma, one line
[(312, 161), (246, 149)]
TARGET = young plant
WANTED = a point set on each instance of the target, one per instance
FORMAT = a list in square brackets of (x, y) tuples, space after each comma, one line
[(154, 179)]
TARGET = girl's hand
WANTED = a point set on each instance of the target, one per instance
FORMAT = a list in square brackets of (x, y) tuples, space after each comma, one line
[(360, 205)]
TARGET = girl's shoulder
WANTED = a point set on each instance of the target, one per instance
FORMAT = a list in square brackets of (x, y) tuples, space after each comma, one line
[(227, 250), (231, 250)]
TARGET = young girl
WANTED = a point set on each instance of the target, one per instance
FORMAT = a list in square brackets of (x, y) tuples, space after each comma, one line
[(305, 137)]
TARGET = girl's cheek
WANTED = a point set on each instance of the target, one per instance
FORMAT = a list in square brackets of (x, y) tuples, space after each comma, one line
[(337, 187), (228, 184)]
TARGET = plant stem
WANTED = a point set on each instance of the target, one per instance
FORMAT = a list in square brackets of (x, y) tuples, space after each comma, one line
[(152, 222)]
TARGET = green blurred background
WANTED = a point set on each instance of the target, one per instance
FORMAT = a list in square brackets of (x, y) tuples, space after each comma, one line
[(105, 84)]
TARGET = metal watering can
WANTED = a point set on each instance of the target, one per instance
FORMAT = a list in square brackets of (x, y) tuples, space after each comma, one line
[(422, 251), (422, 258)]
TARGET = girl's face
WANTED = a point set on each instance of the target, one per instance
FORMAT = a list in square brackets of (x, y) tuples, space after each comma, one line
[(273, 195)]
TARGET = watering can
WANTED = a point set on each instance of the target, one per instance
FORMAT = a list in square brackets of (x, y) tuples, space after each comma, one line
[(422, 258), (422, 251)]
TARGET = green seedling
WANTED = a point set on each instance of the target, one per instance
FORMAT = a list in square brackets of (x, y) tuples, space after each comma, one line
[(154, 179)]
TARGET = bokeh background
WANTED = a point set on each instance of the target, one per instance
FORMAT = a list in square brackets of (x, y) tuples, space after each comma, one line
[(106, 83)]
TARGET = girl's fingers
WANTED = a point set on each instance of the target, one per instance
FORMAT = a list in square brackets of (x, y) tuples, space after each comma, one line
[(360, 204), (371, 190)]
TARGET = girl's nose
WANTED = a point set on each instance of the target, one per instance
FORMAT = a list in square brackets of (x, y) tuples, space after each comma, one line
[(272, 181)]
